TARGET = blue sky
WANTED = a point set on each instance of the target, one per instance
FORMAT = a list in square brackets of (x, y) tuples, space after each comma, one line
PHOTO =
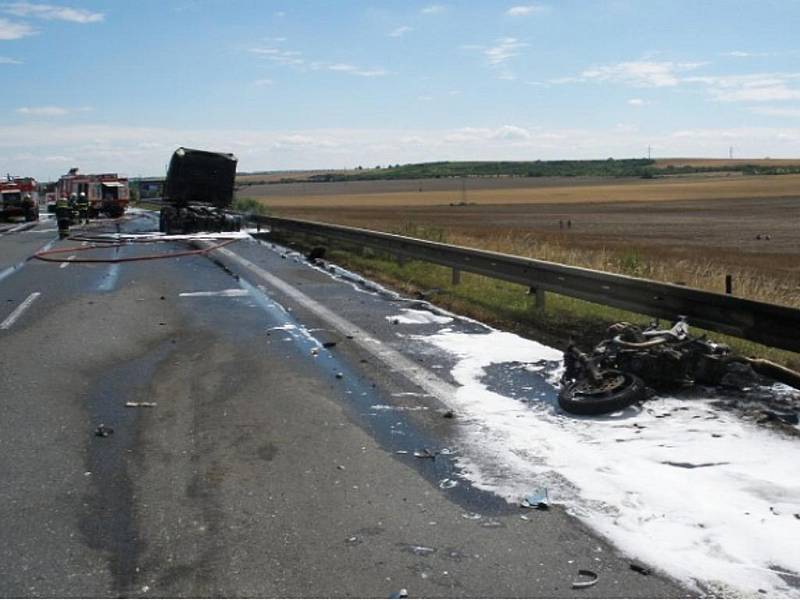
[(116, 86)]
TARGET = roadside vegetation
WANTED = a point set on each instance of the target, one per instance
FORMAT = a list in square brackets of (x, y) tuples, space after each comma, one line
[(249, 206), (510, 306)]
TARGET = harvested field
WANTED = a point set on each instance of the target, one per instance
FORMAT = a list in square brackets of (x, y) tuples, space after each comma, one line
[(690, 230), (508, 190)]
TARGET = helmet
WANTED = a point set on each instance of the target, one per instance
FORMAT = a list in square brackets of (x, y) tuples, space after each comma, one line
[(73, 195), (27, 197), (82, 195)]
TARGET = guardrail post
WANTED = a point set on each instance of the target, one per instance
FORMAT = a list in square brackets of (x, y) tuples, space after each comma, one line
[(456, 276), (540, 297), (729, 284), (401, 260)]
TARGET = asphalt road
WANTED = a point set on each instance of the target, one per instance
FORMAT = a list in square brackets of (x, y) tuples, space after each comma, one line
[(263, 468)]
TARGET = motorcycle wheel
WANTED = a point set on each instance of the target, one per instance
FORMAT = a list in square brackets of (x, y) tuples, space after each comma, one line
[(615, 391)]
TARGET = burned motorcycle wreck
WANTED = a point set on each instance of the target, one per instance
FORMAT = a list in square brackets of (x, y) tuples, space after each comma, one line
[(632, 361)]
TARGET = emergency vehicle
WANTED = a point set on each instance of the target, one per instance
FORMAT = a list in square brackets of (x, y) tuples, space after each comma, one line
[(106, 192), (19, 197)]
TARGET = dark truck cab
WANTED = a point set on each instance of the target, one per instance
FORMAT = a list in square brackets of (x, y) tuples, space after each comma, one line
[(198, 190)]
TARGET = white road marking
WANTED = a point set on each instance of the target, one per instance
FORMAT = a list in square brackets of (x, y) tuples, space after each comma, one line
[(12, 318), (65, 264), (391, 358), (231, 293)]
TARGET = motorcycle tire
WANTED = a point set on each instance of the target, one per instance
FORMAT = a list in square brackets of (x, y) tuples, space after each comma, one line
[(617, 390)]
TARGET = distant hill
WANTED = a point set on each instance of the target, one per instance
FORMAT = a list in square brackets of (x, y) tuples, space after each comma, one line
[(628, 167)]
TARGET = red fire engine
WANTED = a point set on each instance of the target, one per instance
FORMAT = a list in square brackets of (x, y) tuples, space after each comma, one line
[(19, 197), (106, 192)]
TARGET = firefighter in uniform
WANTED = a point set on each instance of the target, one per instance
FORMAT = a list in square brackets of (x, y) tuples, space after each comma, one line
[(83, 208), (63, 217)]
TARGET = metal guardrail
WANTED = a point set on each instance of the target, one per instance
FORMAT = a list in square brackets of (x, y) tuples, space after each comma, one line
[(769, 324)]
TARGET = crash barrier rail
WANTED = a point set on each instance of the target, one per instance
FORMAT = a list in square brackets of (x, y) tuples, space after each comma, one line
[(768, 324)]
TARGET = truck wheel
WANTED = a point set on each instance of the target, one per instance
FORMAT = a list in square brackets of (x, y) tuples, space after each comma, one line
[(31, 215), (615, 391)]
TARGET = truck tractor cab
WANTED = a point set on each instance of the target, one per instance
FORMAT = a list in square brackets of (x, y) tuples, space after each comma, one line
[(197, 191)]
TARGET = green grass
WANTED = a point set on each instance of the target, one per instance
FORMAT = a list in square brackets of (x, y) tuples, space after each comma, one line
[(509, 306), (249, 206)]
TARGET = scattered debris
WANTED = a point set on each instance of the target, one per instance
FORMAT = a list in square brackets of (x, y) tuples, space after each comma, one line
[(417, 550), (585, 583), (784, 417), (472, 516), (640, 569), (340, 467), (539, 499), (339, 375), (403, 593), (449, 414), (328, 344), (447, 483), (142, 404), (103, 430), (353, 541), (317, 253), (424, 453)]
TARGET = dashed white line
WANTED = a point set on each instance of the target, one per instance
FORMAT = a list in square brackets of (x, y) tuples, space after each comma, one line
[(232, 293), (12, 318), (65, 264)]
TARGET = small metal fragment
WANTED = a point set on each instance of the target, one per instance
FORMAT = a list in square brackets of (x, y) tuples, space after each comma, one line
[(424, 453), (539, 499), (103, 431), (403, 593), (593, 578), (138, 404), (640, 568)]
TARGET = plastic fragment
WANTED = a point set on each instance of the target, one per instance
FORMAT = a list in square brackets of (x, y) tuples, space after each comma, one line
[(424, 453), (448, 414), (328, 344), (640, 568), (138, 404), (539, 500), (585, 583), (403, 593)]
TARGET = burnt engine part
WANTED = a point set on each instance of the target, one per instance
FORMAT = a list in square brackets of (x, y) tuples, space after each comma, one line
[(620, 368)]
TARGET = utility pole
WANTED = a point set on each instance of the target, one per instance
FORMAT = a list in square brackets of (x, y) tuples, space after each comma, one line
[(730, 153), (648, 152), (464, 190)]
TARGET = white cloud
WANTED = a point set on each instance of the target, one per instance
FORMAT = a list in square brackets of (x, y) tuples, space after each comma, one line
[(51, 12), (43, 111), (4, 60), (638, 73), (504, 49), (774, 111), (755, 87), (354, 70), (743, 54), (294, 58), (524, 11), (282, 57), (636, 102), (433, 9), (145, 151), (50, 111), (400, 31), (9, 30)]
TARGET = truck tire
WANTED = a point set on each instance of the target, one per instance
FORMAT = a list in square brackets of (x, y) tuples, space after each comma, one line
[(616, 391), (31, 215)]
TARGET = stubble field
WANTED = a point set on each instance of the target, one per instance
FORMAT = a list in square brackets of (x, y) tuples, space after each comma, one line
[(692, 230)]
